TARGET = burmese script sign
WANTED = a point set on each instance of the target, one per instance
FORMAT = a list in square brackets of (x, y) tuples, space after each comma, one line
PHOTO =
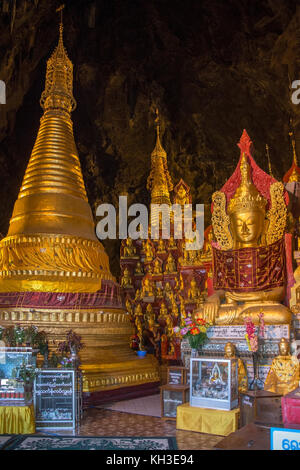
[(239, 331), (54, 399)]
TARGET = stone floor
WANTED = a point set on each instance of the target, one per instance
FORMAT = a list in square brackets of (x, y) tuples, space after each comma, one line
[(103, 422)]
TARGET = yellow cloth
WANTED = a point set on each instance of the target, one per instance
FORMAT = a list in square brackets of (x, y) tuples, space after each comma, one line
[(17, 420), (219, 422)]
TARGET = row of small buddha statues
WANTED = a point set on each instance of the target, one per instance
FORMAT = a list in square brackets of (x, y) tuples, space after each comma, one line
[(283, 376)]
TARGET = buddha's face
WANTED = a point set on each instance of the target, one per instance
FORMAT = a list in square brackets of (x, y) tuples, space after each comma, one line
[(229, 350), (284, 348), (247, 227)]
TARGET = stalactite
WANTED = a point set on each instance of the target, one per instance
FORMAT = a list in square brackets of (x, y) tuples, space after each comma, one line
[(13, 16)]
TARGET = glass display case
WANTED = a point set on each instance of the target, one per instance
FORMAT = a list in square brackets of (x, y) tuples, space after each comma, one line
[(171, 397), (176, 375), (12, 390), (214, 383)]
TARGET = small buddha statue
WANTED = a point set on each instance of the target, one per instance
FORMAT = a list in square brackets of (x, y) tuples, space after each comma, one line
[(249, 229), (147, 290), (129, 250), (283, 376), (148, 251), (230, 353), (150, 315), (126, 279), (181, 195), (129, 308), (174, 310), (138, 269), (193, 292), (172, 244), (163, 312), (157, 267), (138, 312), (161, 246), (137, 295), (170, 266), (159, 292), (150, 270), (167, 290)]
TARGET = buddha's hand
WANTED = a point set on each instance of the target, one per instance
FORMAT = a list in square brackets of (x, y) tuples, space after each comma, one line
[(211, 308)]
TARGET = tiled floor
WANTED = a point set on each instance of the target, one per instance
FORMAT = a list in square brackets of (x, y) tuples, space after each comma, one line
[(149, 406), (103, 422)]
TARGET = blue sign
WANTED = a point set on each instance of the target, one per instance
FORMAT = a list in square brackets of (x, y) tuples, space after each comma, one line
[(285, 439)]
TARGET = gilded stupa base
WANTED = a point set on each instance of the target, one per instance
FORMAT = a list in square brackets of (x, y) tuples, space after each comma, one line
[(107, 362)]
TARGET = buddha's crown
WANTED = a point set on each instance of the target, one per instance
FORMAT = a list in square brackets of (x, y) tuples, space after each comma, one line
[(246, 195)]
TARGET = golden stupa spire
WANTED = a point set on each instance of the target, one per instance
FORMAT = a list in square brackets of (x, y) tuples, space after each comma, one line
[(51, 231), (159, 181)]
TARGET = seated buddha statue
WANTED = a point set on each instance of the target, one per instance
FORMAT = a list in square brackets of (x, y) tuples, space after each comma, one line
[(249, 269), (138, 269), (167, 290), (163, 312), (283, 376), (194, 291), (138, 312), (129, 251), (174, 309), (157, 267), (172, 244), (148, 251), (161, 246), (126, 279), (147, 289), (171, 265), (150, 315), (230, 353)]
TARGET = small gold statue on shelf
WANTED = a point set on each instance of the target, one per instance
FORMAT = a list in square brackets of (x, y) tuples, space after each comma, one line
[(129, 309), (172, 244), (167, 290), (194, 291), (163, 312), (126, 279), (138, 312), (161, 246), (170, 266), (147, 290), (137, 295), (138, 269), (283, 376), (157, 267), (159, 293), (148, 251), (230, 353), (150, 270), (150, 315), (129, 250), (174, 310)]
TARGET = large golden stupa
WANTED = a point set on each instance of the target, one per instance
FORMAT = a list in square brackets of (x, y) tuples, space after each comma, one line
[(54, 273)]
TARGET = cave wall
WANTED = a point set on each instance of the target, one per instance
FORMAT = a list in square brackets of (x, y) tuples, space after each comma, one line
[(213, 67)]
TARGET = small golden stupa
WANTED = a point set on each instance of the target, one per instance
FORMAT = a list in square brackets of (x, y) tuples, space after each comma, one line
[(54, 273)]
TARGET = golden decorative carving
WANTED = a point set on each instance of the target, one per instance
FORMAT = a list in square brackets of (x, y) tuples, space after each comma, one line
[(220, 221), (277, 214)]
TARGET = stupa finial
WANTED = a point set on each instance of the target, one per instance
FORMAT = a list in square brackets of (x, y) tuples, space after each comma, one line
[(58, 93), (158, 151)]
